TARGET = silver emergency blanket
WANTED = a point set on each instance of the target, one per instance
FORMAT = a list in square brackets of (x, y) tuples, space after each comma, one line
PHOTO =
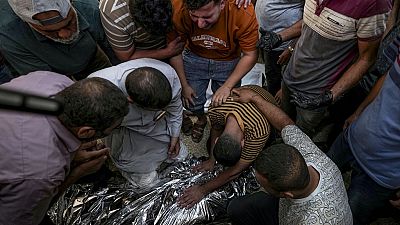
[(117, 202)]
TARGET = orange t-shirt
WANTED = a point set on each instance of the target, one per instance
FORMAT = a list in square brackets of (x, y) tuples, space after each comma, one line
[(236, 30)]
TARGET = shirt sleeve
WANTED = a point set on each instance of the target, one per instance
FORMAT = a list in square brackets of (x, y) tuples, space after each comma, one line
[(248, 33), (175, 108), (293, 136), (118, 36)]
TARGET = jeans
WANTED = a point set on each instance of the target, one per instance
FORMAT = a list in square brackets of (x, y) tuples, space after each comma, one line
[(199, 71), (366, 197), (314, 123), (256, 208)]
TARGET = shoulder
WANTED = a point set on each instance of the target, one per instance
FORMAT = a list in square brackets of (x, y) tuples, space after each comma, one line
[(8, 17), (242, 15), (359, 9), (86, 6), (44, 83)]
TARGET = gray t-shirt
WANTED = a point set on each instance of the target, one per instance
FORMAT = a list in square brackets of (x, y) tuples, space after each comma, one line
[(277, 15), (328, 203)]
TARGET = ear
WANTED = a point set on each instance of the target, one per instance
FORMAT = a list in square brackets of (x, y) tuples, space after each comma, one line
[(286, 194), (222, 4), (85, 132), (129, 99)]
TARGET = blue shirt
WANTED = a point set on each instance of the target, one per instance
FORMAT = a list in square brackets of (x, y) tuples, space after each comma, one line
[(26, 50), (375, 137)]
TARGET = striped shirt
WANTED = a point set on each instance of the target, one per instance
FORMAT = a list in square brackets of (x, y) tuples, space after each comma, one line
[(253, 123), (122, 31), (329, 39)]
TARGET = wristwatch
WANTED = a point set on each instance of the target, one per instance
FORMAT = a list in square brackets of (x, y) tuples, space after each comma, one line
[(291, 49)]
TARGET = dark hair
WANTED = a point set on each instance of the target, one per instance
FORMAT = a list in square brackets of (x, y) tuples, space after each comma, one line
[(155, 16), (227, 150), (284, 168), (148, 87), (93, 102), (197, 4)]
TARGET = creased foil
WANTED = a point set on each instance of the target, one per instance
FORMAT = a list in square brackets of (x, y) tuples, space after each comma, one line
[(117, 202)]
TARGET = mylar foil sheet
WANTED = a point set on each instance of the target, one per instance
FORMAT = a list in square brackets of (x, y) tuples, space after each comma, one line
[(117, 202)]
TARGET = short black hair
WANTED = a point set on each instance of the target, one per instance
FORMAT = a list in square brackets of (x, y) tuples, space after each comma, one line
[(284, 168), (155, 16), (94, 102), (197, 4), (227, 150), (148, 87)]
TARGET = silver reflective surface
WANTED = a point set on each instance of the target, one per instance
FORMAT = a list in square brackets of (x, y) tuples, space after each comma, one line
[(119, 203)]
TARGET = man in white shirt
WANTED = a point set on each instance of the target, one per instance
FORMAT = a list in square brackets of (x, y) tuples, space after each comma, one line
[(150, 132)]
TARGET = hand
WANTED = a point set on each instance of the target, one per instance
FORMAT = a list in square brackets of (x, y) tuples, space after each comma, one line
[(278, 96), (396, 202), (243, 3), (306, 102), (220, 96), (187, 96), (88, 151), (88, 162), (268, 40), (243, 95), (284, 57), (174, 47), (350, 120), (191, 196), (174, 147), (207, 165)]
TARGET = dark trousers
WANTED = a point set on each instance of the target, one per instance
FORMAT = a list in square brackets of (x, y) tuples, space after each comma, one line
[(273, 71), (366, 197), (257, 208)]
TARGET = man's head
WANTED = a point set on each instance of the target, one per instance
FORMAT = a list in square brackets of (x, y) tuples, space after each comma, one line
[(281, 169), (148, 88), (155, 16), (92, 108), (55, 19), (227, 149), (205, 13)]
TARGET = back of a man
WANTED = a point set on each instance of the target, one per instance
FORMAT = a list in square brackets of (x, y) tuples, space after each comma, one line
[(73, 43), (37, 151)]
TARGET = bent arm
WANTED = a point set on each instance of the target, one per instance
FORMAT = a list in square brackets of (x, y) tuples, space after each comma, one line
[(367, 55)]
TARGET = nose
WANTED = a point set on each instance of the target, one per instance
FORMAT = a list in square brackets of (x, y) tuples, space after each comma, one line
[(201, 23), (64, 33)]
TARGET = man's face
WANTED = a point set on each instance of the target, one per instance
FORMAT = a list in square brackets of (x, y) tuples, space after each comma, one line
[(103, 133), (65, 31), (208, 15)]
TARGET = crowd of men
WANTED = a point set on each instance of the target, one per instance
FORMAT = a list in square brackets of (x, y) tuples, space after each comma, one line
[(125, 70)]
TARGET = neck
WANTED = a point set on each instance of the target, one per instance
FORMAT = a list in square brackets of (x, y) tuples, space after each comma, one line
[(312, 185), (232, 127)]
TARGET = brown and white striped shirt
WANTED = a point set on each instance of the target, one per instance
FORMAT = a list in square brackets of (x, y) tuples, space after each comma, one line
[(122, 31), (253, 123)]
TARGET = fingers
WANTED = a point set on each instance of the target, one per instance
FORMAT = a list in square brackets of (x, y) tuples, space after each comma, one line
[(88, 145)]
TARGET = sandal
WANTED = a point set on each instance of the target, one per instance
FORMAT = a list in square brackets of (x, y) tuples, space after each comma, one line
[(198, 131), (187, 125)]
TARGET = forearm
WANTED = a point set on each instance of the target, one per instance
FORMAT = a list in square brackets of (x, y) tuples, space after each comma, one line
[(222, 178), (367, 55), (292, 31), (245, 64), (274, 115), (153, 53), (351, 77), (177, 63)]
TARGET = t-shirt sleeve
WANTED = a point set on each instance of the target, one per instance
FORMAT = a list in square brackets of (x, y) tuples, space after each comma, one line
[(117, 33), (248, 30)]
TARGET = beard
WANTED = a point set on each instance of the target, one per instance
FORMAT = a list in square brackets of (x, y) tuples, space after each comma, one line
[(74, 37)]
